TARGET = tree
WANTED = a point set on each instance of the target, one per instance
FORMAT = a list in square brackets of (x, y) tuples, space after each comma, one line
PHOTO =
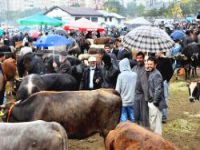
[(114, 6), (75, 5), (140, 10), (177, 11), (132, 9)]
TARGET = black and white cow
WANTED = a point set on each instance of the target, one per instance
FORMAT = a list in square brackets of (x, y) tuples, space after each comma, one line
[(36, 135), (49, 82), (194, 91)]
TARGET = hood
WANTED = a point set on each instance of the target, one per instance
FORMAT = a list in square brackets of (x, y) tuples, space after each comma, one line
[(124, 65)]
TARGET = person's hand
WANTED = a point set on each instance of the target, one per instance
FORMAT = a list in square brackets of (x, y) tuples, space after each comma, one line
[(55, 65), (97, 81)]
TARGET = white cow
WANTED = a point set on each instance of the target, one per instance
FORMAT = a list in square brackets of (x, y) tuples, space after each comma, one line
[(36, 135)]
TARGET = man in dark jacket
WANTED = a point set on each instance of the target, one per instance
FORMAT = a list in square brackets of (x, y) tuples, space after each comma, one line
[(92, 76), (164, 65), (156, 96), (110, 72)]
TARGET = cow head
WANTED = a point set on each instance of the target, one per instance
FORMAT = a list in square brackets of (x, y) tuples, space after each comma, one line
[(194, 91), (17, 82)]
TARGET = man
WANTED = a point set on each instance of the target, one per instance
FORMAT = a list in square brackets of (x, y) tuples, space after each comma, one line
[(164, 65), (198, 37), (156, 96), (26, 49), (126, 83), (107, 49), (92, 76), (110, 72), (141, 92), (188, 39)]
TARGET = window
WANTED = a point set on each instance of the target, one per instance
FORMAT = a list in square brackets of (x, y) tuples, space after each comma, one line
[(87, 18), (76, 18), (110, 18), (106, 19), (94, 19)]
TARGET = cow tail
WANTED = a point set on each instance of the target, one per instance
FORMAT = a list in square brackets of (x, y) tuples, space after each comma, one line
[(63, 133)]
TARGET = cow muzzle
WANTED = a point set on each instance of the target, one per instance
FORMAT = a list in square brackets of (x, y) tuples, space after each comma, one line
[(191, 99)]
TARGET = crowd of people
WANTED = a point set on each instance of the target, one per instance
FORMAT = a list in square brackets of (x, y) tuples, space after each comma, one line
[(141, 82)]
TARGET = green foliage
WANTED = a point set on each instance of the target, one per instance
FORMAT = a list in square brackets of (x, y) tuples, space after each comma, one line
[(113, 6), (182, 8), (14, 15)]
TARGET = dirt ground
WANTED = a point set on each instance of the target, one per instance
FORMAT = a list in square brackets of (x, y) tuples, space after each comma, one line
[(182, 127)]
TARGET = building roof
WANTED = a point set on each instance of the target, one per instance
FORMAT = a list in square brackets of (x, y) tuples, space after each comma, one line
[(77, 11), (117, 16)]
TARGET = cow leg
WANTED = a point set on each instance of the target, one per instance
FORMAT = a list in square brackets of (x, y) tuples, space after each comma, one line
[(187, 73), (195, 71)]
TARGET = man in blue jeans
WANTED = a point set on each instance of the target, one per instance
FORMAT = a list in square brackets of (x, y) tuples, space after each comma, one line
[(126, 83)]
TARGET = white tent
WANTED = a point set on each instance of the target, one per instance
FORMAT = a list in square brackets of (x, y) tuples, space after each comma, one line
[(138, 21)]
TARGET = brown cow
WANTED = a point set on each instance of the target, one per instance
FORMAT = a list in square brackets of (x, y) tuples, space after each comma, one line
[(81, 113), (7, 73), (102, 40), (130, 136)]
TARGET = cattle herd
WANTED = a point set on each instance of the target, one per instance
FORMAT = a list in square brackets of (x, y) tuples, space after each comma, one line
[(50, 109)]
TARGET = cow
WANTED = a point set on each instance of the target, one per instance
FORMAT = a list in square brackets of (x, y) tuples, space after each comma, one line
[(190, 62), (81, 113), (7, 73), (36, 135), (130, 136), (30, 63), (194, 91), (103, 40), (49, 82)]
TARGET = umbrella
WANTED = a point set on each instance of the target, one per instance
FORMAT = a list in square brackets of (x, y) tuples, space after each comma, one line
[(1, 32), (24, 28), (178, 35), (40, 19), (61, 32), (52, 40), (148, 39), (83, 24), (34, 33)]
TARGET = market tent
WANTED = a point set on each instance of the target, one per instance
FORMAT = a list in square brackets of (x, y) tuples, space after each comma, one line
[(40, 19), (138, 21), (83, 24), (1, 32)]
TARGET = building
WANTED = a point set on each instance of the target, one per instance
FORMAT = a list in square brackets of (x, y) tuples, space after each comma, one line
[(67, 14)]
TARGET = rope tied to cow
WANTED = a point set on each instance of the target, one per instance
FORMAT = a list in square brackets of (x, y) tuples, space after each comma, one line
[(10, 111)]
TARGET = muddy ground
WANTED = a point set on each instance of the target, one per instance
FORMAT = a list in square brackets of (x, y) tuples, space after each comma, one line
[(182, 128)]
